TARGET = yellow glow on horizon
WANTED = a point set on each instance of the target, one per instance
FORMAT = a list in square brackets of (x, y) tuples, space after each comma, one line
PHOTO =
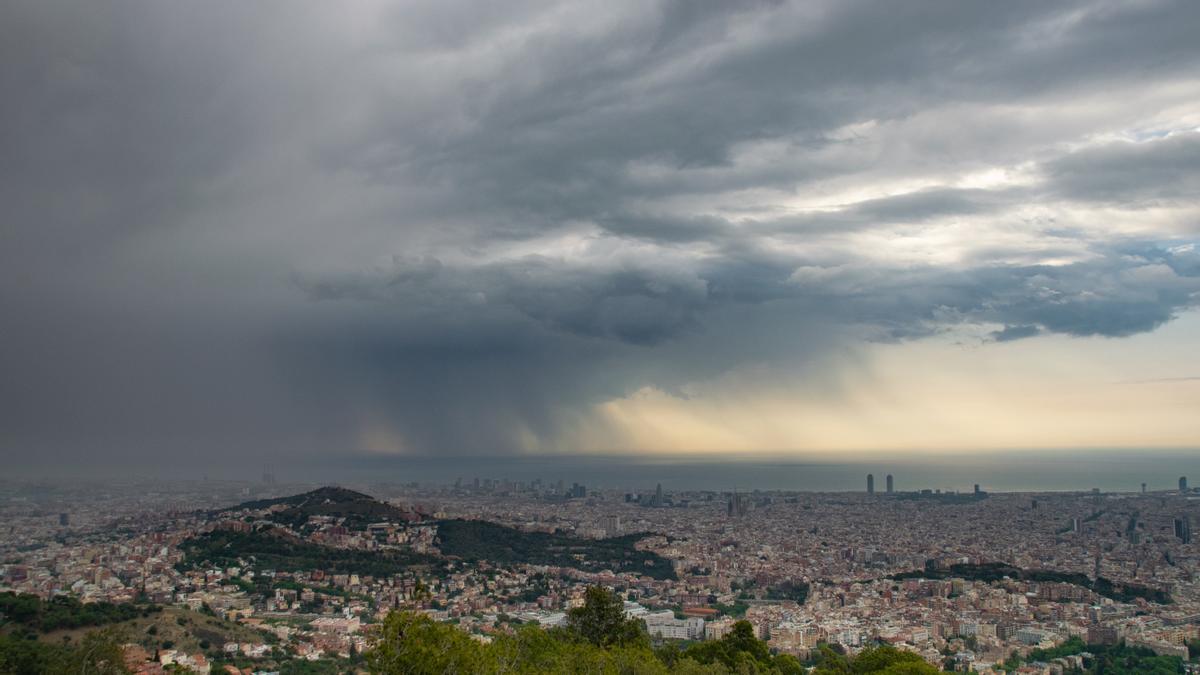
[(937, 395)]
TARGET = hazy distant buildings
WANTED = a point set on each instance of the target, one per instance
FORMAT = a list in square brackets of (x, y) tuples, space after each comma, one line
[(870, 483), (739, 504), (890, 485), (1183, 483), (612, 525), (1183, 529)]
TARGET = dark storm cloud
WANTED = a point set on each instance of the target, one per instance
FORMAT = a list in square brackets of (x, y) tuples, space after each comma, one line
[(1132, 173), (263, 230)]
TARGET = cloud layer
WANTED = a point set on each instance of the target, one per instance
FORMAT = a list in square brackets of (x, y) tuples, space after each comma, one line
[(448, 228)]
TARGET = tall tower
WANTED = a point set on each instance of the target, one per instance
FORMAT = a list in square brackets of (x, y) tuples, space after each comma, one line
[(1143, 488), (890, 485), (658, 495), (1183, 483), (1183, 529), (870, 483)]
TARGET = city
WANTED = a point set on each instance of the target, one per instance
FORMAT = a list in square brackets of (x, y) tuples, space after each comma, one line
[(970, 580), (578, 337)]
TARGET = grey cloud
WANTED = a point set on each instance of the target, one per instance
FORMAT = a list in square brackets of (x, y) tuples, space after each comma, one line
[(1131, 173), (249, 230)]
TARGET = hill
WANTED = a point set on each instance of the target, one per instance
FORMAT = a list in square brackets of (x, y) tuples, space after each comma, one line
[(475, 540), (65, 612), (80, 648), (223, 548), (175, 627), (357, 509)]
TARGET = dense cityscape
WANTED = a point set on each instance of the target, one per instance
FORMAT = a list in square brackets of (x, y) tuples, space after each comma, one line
[(968, 581), (577, 337)]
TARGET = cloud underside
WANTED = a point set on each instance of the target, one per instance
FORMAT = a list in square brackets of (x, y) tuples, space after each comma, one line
[(448, 228)]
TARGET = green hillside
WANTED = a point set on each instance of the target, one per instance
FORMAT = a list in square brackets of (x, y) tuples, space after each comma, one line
[(222, 548), (474, 540), (357, 509)]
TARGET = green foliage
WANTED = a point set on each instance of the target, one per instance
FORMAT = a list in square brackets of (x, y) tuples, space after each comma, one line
[(1073, 645), (888, 660), (415, 644), (355, 508), (26, 656), (223, 548), (1110, 659), (535, 587), (737, 610), (883, 659), (99, 652), (533, 650), (789, 590), (601, 621), (992, 572), (739, 646), (475, 540), (1193, 647), (1121, 660), (65, 612), (600, 642)]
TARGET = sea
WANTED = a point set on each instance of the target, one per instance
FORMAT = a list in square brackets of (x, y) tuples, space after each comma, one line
[(1017, 471)]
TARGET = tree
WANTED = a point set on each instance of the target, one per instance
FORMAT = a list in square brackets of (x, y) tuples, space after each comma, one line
[(414, 644), (25, 656), (99, 653), (601, 621), (881, 660), (741, 651), (830, 660), (741, 639)]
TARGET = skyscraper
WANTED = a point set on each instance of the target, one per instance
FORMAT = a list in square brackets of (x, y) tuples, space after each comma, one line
[(739, 504), (870, 483), (1183, 483), (1183, 529), (658, 495), (890, 485)]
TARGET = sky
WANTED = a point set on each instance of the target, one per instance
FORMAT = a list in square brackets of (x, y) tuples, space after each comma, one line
[(241, 233)]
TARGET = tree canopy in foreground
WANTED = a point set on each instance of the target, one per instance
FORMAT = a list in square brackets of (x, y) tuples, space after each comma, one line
[(598, 638)]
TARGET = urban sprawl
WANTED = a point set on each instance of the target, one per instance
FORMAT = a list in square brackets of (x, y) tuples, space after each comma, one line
[(964, 579)]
